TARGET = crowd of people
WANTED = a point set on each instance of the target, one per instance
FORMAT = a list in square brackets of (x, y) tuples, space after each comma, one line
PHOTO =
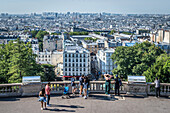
[(44, 94)]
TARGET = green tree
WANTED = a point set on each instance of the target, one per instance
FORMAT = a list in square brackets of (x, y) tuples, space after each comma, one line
[(90, 38), (112, 31), (48, 72), (136, 59), (34, 33), (17, 60), (40, 35), (55, 33), (160, 69), (78, 33)]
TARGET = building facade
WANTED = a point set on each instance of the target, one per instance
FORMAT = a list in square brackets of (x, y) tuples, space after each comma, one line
[(76, 62), (104, 61)]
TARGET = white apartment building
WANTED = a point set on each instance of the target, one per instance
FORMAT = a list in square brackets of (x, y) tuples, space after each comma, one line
[(44, 57), (76, 61), (53, 58), (59, 69), (104, 61)]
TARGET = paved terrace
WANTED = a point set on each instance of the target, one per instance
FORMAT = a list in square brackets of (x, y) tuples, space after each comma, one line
[(96, 103)]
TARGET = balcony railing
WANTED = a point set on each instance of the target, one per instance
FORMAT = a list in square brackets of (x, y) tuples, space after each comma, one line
[(94, 87), (10, 89), (164, 89), (19, 89)]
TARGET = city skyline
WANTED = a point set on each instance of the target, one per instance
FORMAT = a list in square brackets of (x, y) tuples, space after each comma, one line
[(83, 6)]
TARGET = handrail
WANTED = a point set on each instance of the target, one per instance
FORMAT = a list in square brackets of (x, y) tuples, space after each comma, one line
[(20, 89), (62, 82), (11, 84)]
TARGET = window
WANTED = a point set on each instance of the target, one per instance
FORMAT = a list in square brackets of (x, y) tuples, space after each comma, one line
[(80, 60), (76, 55), (65, 69), (69, 69), (65, 55), (65, 60), (76, 60), (66, 64), (69, 60)]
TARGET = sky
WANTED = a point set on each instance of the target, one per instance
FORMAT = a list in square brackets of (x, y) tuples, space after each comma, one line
[(84, 6)]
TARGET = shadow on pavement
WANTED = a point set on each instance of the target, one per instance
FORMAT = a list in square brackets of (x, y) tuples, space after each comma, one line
[(61, 110), (136, 96), (68, 106), (9, 99), (99, 97)]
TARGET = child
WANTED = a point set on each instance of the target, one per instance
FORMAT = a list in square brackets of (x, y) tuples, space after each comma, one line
[(42, 98)]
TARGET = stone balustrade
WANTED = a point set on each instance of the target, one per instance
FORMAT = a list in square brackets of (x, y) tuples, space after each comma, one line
[(32, 89), (164, 89)]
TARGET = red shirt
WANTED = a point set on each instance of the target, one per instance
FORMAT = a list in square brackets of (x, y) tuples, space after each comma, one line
[(47, 90)]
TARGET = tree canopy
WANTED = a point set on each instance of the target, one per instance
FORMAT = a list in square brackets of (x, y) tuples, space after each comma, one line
[(18, 60), (160, 69), (40, 35), (112, 31), (90, 38), (78, 33), (136, 59), (48, 72)]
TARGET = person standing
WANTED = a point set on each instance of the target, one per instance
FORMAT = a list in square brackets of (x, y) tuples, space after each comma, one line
[(85, 86), (117, 85), (73, 85), (47, 92), (107, 83), (157, 87), (81, 80), (42, 97)]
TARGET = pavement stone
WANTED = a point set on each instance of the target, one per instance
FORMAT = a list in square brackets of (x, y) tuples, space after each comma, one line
[(96, 103)]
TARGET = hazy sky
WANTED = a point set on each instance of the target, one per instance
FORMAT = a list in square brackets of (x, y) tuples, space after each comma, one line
[(112, 6)]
